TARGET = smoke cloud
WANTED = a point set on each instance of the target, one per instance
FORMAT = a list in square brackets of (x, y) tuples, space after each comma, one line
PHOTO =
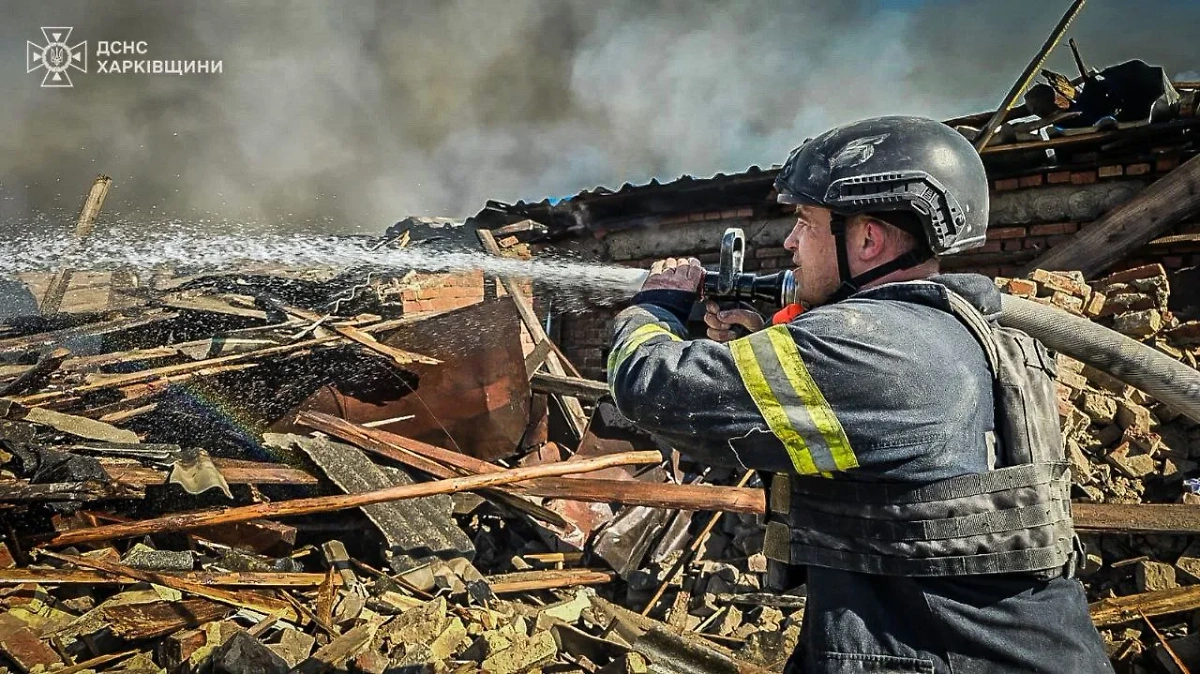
[(347, 116)]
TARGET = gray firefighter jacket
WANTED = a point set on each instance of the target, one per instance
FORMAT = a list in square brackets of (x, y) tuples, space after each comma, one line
[(919, 470)]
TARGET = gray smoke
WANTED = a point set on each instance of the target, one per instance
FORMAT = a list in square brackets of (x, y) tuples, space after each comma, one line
[(346, 116)]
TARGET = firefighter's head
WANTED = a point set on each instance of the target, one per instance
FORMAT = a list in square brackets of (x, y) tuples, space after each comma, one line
[(877, 196), (870, 241)]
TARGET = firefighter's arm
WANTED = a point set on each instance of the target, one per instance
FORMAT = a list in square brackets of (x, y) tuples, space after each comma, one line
[(749, 402)]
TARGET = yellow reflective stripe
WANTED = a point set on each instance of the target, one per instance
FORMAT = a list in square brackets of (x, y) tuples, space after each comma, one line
[(806, 389), (631, 343), (769, 406)]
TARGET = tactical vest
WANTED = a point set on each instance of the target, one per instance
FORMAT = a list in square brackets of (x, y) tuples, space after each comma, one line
[(1014, 518)]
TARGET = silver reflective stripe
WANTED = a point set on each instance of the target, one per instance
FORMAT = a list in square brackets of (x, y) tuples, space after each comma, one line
[(799, 415)]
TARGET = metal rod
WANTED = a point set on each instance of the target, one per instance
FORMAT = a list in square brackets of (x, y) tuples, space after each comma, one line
[(1031, 71)]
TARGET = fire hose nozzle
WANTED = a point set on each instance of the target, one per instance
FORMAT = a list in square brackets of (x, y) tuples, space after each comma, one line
[(730, 283)]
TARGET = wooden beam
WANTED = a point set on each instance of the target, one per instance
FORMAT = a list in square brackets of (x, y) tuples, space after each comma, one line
[(92, 204), (244, 600), (1153, 211), (1175, 240), (397, 356), (18, 491), (533, 362), (1138, 518), (27, 342), (581, 389), (595, 490), (369, 440), (233, 470), (215, 578), (1159, 602), (1031, 71), (576, 419), (547, 579), (324, 504)]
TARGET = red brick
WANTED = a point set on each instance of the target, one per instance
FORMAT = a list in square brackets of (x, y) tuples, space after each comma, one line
[(1069, 302), (1034, 243), (696, 217), (712, 215), (1031, 181), (1022, 287), (1059, 177), (729, 214), (1111, 171), (989, 247), (1055, 228), (745, 212), (1005, 233), (1166, 164), (1083, 177), (1127, 275), (1011, 244), (1137, 169), (1007, 184), (1054, 281), (1094, 305)]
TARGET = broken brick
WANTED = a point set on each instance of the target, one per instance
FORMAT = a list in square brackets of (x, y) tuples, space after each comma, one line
[(1138, 323), (1155, 576)]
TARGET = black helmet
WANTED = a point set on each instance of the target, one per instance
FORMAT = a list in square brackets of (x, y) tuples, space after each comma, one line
[(882, 164)]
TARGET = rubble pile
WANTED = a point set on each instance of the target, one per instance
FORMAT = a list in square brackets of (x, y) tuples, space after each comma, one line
[(217, 474), (271, 471), (1124, 447)]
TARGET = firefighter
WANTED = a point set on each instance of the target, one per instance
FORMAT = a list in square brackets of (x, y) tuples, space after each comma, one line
[(910, 446)]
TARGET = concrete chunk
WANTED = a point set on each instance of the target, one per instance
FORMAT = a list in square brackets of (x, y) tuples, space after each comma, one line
[(1138, 323), (1100, 408), (1155, 576)]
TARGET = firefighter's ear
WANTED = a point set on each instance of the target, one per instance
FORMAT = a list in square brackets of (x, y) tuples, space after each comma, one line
[(871, 238)]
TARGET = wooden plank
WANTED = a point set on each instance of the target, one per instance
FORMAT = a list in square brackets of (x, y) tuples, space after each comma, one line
[(538, 356), (160, 618), (259, 473), (214, 578), (18, 491), (582, 389), (337, 651), (597, 490), (398, 356), (201, 367), (87, 218), (360, 437), (247, 600), (323, 504), (576, 419), (27, 342), (1159, 602), (1153, 211), (1175, 240), (547, 579), (1148, 518)]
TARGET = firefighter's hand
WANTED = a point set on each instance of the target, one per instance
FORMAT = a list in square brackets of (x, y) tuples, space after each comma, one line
[(675, 274), (722, 324)]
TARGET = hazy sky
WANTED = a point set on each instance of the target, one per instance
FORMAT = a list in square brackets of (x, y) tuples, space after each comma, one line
[(347, 115)]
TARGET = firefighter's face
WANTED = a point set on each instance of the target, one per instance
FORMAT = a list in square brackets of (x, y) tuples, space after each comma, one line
[(814, 254)]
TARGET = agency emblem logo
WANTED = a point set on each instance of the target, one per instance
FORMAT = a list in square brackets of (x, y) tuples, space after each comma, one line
[(56, 56)]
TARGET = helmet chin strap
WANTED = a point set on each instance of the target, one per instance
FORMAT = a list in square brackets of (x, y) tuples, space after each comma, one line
[(852, 284)]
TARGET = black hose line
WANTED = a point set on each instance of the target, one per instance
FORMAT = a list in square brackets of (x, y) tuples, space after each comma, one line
[(1134, 363)]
